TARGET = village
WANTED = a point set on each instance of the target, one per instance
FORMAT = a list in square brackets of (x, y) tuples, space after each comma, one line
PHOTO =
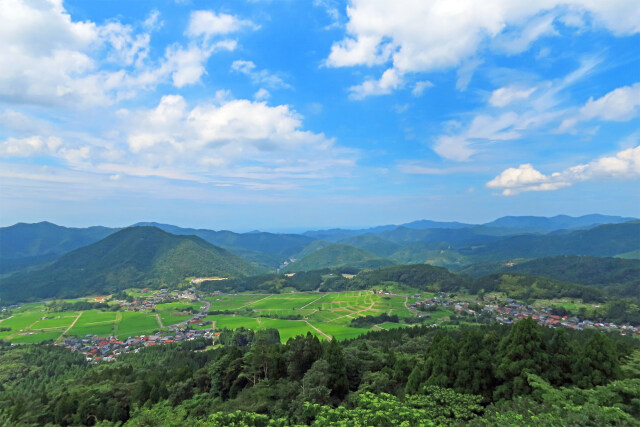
[(97, 348), (507, 310)]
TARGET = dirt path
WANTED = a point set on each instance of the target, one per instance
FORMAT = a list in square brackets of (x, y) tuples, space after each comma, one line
[(307, 305), (355, 312), (116, 323), (70, 326), (159, 321), (253, 302), (25, 329), (329, 337)]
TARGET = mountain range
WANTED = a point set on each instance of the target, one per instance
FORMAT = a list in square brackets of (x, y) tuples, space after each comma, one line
[(132, 257), (47, 256)]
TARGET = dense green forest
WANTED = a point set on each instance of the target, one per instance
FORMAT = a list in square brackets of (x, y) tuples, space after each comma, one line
[(487, 375), (336, 255), (614, 275), (136, 256)]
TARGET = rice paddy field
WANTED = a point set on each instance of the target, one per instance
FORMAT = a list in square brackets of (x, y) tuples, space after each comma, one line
[(326, 315)]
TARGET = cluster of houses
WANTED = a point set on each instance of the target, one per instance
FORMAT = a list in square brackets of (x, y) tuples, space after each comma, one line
[(107, 349), (513, 310)]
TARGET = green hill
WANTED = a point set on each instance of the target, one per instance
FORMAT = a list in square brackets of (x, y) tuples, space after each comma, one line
[(22, 245), (418, 276), (604, 240), (261, 248), (132, 257), (522, 286), (621, 274), (337, 255), (371, 243)]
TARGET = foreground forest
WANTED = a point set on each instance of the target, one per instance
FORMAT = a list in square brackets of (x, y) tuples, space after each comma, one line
[(487, 375)]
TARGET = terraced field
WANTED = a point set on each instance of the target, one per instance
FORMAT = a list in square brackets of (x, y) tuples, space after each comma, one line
[(326, 315)]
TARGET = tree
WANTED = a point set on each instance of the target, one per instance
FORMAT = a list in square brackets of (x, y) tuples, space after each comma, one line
[(597, 363), (336, 372), (520, 353)]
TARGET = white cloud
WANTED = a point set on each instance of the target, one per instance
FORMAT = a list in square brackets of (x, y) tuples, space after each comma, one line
[(205, 23), (422, 36), (263, 77), (229, 137), (618, 105), (465, 73), (420, 87), (49, 59), (262, 94), (506, 95), (389, 81), (624, 165), (486, 125), (31, 146)]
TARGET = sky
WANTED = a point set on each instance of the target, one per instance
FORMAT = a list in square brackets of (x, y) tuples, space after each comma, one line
[(294, 114)]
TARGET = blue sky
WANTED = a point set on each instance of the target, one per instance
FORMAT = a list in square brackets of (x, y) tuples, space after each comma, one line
[(283, 114)]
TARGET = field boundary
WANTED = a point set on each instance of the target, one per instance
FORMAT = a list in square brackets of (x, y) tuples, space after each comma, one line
[(70, 326)]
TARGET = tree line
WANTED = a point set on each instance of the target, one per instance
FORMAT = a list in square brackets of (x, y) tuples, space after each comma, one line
[(484, 375)]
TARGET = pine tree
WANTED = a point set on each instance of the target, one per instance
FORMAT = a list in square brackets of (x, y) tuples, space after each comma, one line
[(520, 353)]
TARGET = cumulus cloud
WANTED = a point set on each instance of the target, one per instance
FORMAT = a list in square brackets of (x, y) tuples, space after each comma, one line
[(207, 24), (49, 59), (624, 165), (422, 36), (38, 145), (389, 81), (228, 137), (619, 105), (262, 77)]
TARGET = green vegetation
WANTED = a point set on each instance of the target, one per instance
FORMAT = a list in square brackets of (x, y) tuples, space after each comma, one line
[(486, 375), (23, 245), (336, 255), (604, 240), (616, 276), (136, 256)]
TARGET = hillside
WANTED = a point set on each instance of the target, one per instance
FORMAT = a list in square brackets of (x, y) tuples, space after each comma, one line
[(22, 245), (621, 274), (266, 249), (135, 256), (522, 286), (337, 255), (604, 240), (558, 222), (372, 243), (418, 276)]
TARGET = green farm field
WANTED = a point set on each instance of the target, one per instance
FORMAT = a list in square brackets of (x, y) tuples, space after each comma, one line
[(326, 315)]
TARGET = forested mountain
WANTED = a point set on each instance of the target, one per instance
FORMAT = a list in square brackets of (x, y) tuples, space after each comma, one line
[(558, 222), (508, 225), (336, 255), (603, 240), (267, 249), (585, 270), (372, 243), (22, 245), (135, 256)]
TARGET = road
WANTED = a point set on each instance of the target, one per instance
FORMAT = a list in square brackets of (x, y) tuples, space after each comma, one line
[(70, 326)]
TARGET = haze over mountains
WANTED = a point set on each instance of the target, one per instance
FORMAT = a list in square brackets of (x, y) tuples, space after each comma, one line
[(55, 260)]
